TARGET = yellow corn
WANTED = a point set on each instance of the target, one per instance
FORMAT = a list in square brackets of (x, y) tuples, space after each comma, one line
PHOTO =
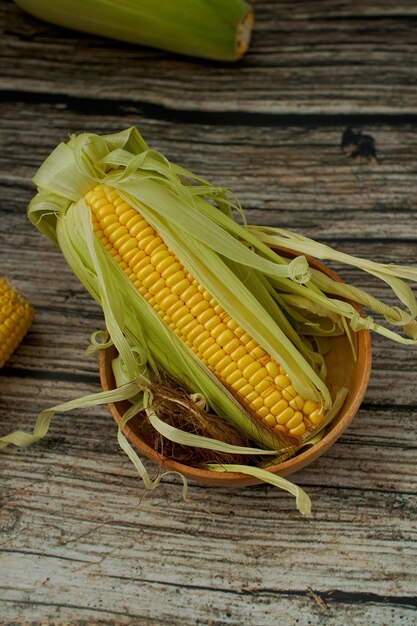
[(16, 315), (237, 359)]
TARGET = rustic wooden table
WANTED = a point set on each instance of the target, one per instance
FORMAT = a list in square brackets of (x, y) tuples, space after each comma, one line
[(78, 542)]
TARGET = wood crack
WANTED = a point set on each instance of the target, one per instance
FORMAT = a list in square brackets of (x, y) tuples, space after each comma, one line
[(107, 106)]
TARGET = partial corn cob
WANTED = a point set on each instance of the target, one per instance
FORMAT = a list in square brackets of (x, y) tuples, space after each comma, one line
[(194, 315), (16, 315), (213, 29)]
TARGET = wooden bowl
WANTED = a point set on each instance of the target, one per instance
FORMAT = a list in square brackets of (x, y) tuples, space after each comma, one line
[(342, 371)]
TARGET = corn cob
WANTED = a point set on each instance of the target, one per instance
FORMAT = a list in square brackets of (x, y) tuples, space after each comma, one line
[(213, 29), (220, 313), (16, 315), (194, 315)]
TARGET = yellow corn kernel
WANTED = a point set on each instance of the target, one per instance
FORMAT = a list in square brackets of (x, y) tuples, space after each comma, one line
[(264, 387), (279, 428), (233, 378), (164, 265), (282, 381), (229, 369), (215, 358), (272, 399), (309, 407), (280, 406), (199, 334), (200, 306), (117, 233), (289, 393), (157, 286), (171, 269), (153, 245), (298, 430), (208, 318), (205, 345), (193, 300), (212, 322), (175, 278), (263, 411), (180, 286), (270, 420), (258, 376), (285, 416), (108, 220), (189, 328), (168, 301), (250, 369), (245, 361), (296, 419), (297, 403), (238, 352), (161, 296), (159, 256), (178, 304), (180, 314), (125, 215), (223, 335), (273, 369), (246, 389), (150, 278), (232, 346), (258, 402), (316, 416), (128, 246), (223, 363), (212, 350)]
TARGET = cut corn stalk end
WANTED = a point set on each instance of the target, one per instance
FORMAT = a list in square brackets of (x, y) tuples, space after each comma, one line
[(244, 33)]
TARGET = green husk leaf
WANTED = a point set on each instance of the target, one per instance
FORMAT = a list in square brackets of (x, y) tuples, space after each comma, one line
[(393, 275), (134, 457), (23, 439), (197, 441), (99, 340), (303, 501)]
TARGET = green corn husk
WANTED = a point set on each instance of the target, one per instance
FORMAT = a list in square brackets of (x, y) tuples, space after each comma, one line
[(212, 29), (280, 303)]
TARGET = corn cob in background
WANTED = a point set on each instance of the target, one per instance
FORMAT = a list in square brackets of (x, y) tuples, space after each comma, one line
[(212, 29), (193, 297), (16, 316)]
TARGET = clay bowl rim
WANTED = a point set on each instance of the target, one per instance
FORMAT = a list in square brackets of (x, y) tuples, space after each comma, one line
[(285, 468)]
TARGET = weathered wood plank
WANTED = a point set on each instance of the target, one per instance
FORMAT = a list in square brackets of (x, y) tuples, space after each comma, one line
[(192, 606), (311, 58), (73, 519), (296, 177)]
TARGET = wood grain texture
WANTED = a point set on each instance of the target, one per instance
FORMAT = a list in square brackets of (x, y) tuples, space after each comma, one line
[(80, 543), (308, 58)]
